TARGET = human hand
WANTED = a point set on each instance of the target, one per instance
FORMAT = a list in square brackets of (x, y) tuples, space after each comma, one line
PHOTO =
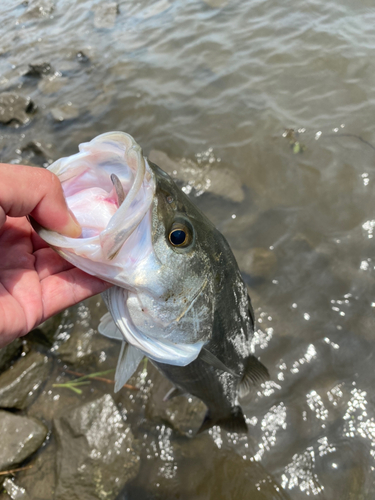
[(35, 282)]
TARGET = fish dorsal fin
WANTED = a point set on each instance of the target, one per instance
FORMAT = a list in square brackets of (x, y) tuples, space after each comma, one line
[(173, 393), (108, 328), (128, 362), (255, 373), (212, 360)]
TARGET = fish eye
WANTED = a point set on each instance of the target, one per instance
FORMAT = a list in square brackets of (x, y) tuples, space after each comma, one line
[(180, 235)]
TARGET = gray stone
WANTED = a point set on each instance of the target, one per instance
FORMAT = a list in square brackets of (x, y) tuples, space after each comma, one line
[(15, 108), (19, 384), (96, 454), (20, 437), (182, 413), (257, 262), (52, 84), (38, 69), (65, 112), (38, 9), (8, 353), (208, 177), (85, 346), (105, 14), (14, 491)]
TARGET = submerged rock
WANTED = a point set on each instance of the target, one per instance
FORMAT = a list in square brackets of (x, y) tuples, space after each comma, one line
[(8, 353), (257, 262), (14, 491), (65, 112), (198, 468), (97, 454), (15, 108), (183, 413), (105, 14), (20, 437), (19, 384), (39, 69), (210, 177)]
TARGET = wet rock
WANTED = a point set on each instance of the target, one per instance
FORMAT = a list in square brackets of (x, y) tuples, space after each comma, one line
[(15, 108), (40, 480), (19, 384), (35, 153), (14, 491), (20, 437), (52, 84), (39, 69), (8, 353), (257, 262), (65, 112), (82, 57), (84, 344), (97, 454), (197, 468), (105, 14), (210, 177), (182, 413), (38, 9)]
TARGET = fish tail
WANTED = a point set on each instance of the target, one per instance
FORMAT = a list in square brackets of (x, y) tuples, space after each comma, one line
[(234, 422)]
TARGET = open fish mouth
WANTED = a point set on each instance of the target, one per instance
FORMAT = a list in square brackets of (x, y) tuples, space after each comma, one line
[(109, 187)]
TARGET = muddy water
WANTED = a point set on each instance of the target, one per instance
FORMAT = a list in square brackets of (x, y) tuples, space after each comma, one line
[(282, 95)]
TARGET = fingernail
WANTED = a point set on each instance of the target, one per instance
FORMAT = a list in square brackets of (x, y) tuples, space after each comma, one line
[(72, 229)]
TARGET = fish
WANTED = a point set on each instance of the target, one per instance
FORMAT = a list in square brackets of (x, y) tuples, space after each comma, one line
[(178, 297)]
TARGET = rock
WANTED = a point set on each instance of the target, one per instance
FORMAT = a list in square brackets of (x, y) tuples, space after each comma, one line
[(38, 9), (82, 57), (52, 84), (84, 345), (8, 353), (183, 413), (210, 177), (198, 468), (19, 384), (39, 69), (65, 112), (37, 154), (20, 437), (40, 480), (257, 262), (97, 454), (105, 14), (15, 492), (15, 108)]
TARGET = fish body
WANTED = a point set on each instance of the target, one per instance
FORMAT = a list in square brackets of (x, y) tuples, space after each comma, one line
[(178, 298)]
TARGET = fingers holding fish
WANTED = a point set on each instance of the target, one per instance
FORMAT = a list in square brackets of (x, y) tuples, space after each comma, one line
[(45, 202)]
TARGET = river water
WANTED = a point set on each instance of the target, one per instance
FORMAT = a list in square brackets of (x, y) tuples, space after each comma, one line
[(281, 95)]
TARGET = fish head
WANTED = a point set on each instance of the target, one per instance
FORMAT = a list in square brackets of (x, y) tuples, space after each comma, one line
[(141, 233)]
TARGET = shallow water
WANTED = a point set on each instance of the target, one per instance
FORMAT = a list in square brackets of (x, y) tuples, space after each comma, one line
[(220, 82)]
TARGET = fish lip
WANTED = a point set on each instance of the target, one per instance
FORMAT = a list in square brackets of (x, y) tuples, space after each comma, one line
[(133, 161)]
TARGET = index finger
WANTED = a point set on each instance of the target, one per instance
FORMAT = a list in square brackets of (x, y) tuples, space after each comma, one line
[(37, 192)]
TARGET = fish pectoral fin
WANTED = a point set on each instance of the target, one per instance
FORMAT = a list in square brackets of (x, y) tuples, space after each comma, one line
[(108, 328), (173, 393), (127, 363), (211, 359), (233, 422), (255, 373)]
